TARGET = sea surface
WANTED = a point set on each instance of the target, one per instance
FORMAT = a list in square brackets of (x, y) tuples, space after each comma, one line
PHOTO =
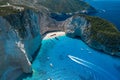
[(64, 58), (107, 9)]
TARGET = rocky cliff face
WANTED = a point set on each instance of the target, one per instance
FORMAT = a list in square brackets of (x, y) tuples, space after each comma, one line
[(63, 9), (21, 33), (19, 39), (76, 26), (48, 24), (58, 9), (97, 33)]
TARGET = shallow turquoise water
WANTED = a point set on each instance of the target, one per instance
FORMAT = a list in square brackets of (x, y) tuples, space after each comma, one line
[(71, 59)]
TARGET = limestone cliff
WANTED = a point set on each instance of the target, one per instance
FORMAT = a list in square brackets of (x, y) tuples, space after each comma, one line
[(62, 9), (58, 9), (19, 39), (48, 24), (96, 32), (22, 28), (21, 31)]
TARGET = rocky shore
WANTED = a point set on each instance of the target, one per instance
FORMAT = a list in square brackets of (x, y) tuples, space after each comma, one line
[(94, 31), (21, 33)]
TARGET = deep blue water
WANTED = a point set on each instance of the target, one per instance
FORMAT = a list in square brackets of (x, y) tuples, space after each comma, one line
[(71, 59), (109, 10)]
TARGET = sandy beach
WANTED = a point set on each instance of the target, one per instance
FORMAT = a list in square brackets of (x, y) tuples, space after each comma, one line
[(53, 35)]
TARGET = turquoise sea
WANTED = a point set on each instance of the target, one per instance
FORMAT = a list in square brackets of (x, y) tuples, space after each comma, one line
[(71, 59), (65, 58)]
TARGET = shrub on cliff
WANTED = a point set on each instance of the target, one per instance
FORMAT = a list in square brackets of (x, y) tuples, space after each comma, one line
[(105, 33)]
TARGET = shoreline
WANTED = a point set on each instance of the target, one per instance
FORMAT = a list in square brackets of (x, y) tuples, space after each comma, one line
[(53, 35)]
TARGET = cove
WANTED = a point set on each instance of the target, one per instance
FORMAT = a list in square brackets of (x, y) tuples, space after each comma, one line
[(64, 58)]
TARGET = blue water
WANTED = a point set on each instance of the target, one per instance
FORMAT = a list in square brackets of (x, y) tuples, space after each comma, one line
[(71, 59), (109, 10)]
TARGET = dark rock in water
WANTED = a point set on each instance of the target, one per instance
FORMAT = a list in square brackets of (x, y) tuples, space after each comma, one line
[(56, 38)]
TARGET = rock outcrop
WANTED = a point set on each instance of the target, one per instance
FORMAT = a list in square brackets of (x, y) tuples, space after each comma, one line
[(62, 9), (96, 32), (21, 32), (22, 29), (76, 26), (58, 9), (48, 24), (19, 39)]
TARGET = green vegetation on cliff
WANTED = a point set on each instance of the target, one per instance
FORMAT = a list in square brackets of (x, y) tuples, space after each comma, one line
[(7, 11), (7, 8), (105, 33), (66, 6)]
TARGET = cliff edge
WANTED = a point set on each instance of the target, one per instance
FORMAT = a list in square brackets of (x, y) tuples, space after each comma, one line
[(19, 39), (94, 31)]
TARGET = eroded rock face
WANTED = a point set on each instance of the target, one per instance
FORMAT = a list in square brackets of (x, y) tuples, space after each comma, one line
[(19, 39), (79, 26), (21, 34), (48, 24)]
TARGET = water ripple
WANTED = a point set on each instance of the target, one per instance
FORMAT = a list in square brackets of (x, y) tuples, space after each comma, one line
[(93, 67)]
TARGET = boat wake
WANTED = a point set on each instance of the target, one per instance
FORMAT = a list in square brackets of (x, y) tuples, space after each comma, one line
[(101, 10), (93, 67)]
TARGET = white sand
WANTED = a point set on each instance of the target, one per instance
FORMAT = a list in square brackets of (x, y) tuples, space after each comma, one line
[(53, 35), (65, 55)]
